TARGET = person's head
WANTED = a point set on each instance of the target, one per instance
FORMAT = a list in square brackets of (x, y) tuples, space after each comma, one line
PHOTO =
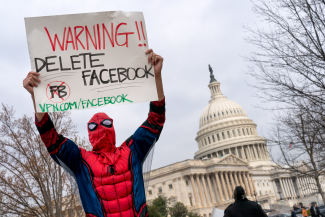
[(239, 193), (315, 204), (101, 133), (303, 208)]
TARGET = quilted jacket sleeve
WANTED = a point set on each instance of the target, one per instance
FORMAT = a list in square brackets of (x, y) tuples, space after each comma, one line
[(61, 149), (148, 133)]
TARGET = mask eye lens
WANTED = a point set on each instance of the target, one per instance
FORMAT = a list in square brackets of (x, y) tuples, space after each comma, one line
[(92, 126), (107, 123)]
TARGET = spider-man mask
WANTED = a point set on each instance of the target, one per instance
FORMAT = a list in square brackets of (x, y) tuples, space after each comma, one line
[(101, 133)]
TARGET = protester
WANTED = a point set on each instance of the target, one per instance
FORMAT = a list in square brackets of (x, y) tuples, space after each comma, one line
[(312, 210), (304, 212), (293, 213), (242, 207), (317, 210), (109, 178)]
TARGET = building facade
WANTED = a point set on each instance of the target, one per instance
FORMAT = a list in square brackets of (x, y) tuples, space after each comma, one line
[(230, 153)]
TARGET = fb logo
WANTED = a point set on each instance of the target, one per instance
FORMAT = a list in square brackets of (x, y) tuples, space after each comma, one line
[(57, 91)]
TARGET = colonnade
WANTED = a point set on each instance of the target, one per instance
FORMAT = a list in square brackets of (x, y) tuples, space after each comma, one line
[(247, 152), (304, 185), (218, 187), (307, 185)]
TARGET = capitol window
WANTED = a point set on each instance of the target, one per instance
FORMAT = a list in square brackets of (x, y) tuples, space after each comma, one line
[(238, 132), (235, 111), (218, 114), (228, 134), (223, 113), (209, 140), (205, 141), (233, 133), (247, 131), (159, 189), (186, 182), (170, 186), (227, 112), (213, 138), (150, 192), (218, 137), (251, 131), (214, 115), (223, 135), (243, 131), (230, 111)]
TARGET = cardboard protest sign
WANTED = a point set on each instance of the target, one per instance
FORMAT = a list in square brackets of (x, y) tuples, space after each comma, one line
[(90, 60)]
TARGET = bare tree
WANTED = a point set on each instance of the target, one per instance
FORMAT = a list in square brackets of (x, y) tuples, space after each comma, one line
[(289, 68), (301, 144), (289, 63), (31, 183)]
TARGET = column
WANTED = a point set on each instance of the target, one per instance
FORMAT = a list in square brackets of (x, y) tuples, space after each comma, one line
[(243, 153), (251, 176), (246, 184), (236, 178), (224, 186), (228, 185), (290, 187), (220, 193), (211, 190), (232, 180), (287, 187), (194, 190), (236, 152), (240, 179), (282, 188), (207, 199), (266, 151), (305, 187), (215, 186), (255, 150), (299, 187), (200, 190), (260, 151), (249, 184), (293, 188)]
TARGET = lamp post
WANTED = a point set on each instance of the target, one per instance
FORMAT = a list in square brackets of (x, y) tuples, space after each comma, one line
[(317, 198)]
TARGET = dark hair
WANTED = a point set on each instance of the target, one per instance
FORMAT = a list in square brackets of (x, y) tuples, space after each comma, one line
[(239, 193)]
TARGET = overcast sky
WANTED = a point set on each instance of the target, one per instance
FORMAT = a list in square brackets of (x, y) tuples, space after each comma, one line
[(188, 34)]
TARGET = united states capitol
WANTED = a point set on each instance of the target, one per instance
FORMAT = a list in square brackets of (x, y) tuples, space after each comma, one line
[(230, 153)]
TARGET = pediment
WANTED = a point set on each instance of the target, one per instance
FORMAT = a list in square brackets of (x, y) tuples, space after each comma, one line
[(231, 159)]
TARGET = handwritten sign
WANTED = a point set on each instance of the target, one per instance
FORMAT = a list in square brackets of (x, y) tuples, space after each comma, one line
[(90, 60)]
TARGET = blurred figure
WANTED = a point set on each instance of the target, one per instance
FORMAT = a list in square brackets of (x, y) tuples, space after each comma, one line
[(242, 207), (317, 210), (304, 212), (312, 210), (293, 213)]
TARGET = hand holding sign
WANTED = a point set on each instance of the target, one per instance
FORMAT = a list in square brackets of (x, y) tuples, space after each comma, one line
[(91, 60)]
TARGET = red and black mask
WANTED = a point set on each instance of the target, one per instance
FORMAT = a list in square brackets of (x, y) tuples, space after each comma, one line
[(101, 133)]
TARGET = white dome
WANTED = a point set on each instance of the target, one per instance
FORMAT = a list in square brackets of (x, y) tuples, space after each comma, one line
[(220, 108)]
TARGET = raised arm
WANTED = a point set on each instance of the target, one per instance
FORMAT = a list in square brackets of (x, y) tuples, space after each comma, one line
[(61, 149), (148, 133)]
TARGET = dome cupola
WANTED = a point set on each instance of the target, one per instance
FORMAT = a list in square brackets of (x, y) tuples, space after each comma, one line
[(225, 128)]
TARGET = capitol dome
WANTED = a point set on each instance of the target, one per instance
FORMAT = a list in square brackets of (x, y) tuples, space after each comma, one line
[(225, 128)]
